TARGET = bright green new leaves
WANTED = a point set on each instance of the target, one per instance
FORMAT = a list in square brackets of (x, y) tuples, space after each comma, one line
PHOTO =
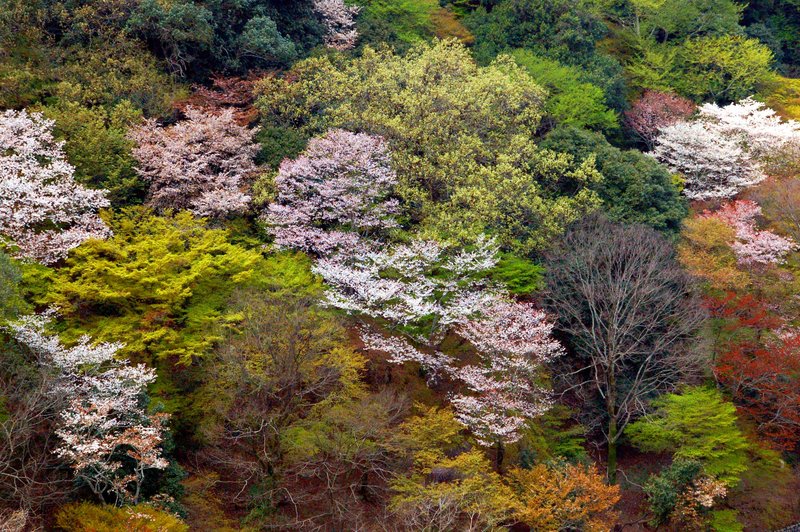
[(460, 136), (570, 101), (725, 68), (11, 302), (161, 283), (696, 425)]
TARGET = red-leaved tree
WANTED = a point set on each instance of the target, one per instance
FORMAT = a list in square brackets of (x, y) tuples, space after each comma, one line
[(764, 379)]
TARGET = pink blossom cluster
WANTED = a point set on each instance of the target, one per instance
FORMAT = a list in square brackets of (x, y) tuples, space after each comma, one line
[(201, 164), (656, 110), (337, 191), (752, 246), (726, 149), (339, 20), (105, 417), (43, 211)]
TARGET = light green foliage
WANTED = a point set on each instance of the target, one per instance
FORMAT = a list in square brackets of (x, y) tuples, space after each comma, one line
[(569, 100), (160, 284), (80, 517), (108, 75), (696, 425), (461, 137), (634, 188), (553, 436), (519, 275), (679, 19), (97, 146), (400, 22), (725, 521), (462, 483), (724, 68)]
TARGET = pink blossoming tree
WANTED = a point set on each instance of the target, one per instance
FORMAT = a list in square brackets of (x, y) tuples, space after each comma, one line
[(656, 110), (752, 246), (201, 164), (335, 193), (43, 211)]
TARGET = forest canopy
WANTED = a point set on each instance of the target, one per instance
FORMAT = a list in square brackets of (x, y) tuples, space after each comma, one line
[(411, 265)]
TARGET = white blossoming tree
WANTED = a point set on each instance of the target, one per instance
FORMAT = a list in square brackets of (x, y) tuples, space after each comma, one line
[(200, 164), (420, 290), (726, 149), (514, 341), (43, 211), (107, 435), (335, 193), (423, 291), (339, 21)]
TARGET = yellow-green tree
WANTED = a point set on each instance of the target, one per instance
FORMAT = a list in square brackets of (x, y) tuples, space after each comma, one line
[(461, 138)]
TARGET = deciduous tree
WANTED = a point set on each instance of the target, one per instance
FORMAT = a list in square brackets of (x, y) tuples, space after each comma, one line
[(752, 246), (654, 111), (43, 211), (201, 164), (560, 496), (339, 21), (696, 424), (337, 191), (725, 149), (514, 341), (630, 313), (108, 438)]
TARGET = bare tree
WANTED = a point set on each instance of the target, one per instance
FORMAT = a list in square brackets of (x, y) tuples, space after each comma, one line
[(32, 478), (630, 315)]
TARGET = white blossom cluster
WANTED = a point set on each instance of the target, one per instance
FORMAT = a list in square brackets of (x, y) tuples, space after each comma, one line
[(105, 418), (724, 150), (43, 211), (339, 20)]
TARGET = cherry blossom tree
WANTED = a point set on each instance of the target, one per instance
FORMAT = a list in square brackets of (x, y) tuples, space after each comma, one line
[(43, 211), (335, 192), (420, 290), (752, 246), (200, 164), (656, 110), (726, 149), (339, 20), (421, 285), (514, 340), (107, 435), (423, 291)]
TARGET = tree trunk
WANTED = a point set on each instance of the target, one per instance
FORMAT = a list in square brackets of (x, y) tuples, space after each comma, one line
[(612, 450), (501, 453), (611, 410)]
